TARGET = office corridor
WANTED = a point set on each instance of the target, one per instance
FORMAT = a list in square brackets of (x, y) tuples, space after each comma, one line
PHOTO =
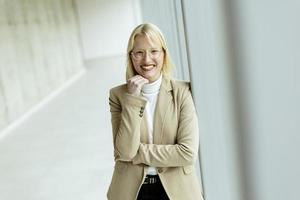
[(64, 150), (243, 62)]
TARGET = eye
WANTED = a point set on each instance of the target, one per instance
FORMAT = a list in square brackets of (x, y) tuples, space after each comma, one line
[(139, 53), (154, 51)]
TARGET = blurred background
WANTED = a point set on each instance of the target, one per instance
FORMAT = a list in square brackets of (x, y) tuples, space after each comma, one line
[(59, 58)]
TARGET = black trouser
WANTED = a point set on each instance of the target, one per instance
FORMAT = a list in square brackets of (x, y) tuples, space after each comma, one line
[(152, 191)]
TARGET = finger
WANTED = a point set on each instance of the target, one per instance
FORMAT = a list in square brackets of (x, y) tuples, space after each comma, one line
[(135, 84), (139, 77), (134, 79), (145, 80), (138, 80)]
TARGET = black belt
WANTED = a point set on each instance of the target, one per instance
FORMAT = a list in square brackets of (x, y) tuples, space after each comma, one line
[(151, 179)]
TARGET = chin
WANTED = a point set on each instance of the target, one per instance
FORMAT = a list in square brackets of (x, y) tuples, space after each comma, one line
[(152, 78), (147, 76)]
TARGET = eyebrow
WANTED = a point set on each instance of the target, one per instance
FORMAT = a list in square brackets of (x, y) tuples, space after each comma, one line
[(147, 49)]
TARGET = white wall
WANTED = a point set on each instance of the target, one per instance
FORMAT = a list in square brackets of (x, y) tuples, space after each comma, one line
[(269, 64), (105, 26), (212, 84), (39, 53), (245, 63)]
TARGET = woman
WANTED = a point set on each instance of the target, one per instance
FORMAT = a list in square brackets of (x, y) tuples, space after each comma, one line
[(154, 123)]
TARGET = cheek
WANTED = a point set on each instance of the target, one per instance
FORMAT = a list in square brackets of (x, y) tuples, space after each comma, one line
[(135, 65), (160, 63)]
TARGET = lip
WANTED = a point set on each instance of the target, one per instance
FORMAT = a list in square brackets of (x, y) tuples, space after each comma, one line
[(147, 67)]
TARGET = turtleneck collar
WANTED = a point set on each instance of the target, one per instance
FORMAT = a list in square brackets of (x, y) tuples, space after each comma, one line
[(153, 87)]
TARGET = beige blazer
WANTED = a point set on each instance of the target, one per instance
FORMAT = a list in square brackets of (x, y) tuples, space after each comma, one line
[(174, 150)]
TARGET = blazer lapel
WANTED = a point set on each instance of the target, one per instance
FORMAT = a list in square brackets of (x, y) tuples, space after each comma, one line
[(164, 100)]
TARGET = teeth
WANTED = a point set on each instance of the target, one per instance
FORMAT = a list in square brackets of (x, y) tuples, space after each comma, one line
[(147, 67)]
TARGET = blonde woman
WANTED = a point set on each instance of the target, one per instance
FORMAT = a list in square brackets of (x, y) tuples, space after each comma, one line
[(154, 125)]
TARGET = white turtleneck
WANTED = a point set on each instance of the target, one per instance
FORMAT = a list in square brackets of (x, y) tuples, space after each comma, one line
[(150, 91)]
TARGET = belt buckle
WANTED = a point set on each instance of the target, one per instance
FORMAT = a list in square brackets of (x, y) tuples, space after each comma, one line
[(150, 180)]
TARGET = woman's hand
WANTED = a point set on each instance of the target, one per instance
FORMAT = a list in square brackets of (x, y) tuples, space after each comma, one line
[(134, 84)]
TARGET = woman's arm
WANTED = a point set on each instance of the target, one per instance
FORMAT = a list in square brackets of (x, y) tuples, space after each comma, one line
[(126, 120), (185, 151)]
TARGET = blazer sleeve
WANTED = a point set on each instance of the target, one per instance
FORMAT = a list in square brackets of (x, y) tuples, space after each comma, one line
[(185, 151), (126, 119)]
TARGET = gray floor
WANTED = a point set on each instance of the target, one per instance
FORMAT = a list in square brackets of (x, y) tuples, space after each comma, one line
[(64, 151)]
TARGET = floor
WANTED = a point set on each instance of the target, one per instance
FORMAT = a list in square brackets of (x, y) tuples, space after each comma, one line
[(64, 151)]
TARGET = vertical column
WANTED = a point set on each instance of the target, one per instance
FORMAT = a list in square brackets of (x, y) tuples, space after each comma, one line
[(209, 57)]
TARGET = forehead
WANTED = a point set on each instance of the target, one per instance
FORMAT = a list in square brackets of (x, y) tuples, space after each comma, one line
[(145, 42)]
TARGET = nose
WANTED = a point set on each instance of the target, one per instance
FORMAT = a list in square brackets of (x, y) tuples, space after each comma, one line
[(146, 56)]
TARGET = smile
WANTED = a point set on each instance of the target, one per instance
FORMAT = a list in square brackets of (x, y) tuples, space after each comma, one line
[(147, 67)]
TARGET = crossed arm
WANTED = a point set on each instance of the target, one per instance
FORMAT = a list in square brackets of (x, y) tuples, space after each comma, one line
[(126, 124)]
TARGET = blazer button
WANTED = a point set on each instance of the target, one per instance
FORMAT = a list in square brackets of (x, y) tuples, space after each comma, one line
[(141, 115)]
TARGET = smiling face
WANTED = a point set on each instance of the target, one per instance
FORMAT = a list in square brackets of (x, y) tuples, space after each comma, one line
[(147, 57)]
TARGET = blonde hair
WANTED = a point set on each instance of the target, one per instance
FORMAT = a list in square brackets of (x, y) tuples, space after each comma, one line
[(153, 33)]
